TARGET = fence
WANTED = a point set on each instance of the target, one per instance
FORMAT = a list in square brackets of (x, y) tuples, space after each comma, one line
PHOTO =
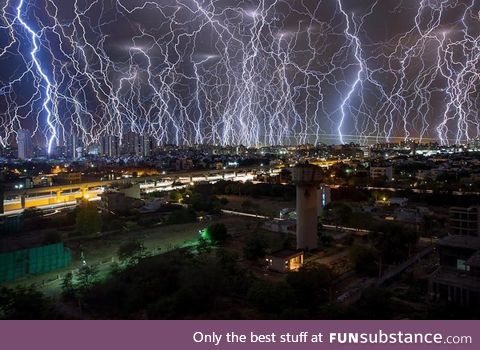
[(34, 261)]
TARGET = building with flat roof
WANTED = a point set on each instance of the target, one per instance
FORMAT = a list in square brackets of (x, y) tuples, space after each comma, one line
[(24, 143), (109, 146), (285, 260), (457, 280), (69, 177), (381, 172), (464, 221), (122, 200)]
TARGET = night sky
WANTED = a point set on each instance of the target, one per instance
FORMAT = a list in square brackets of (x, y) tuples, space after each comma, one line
[(241, 72)]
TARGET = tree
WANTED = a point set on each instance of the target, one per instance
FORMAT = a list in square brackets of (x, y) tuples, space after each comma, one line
[(338, 213), (176, 196), (52, 238), (88, 220), (365, 260), (218, 233), (87, 276), (326, 240), (203, 245), (228, 261), (182, 216), (203, 202), (311, 285), (394, 242), (131, 252), (428, 225), (319, 229), (247, 205), (31, 213), (255, 247), (270, 297), (25, 304), (68, 288), (376, 304)]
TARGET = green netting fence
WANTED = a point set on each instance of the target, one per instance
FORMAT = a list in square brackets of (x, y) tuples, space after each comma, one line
[(33, 261)]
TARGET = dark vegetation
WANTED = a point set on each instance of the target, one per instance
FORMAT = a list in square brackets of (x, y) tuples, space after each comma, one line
[(26, 304), (184, 285)]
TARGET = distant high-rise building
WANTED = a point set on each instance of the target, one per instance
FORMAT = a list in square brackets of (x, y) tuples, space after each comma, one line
[(136, 145), (132, 144), (2, 180), (74, 147), (93, 149), (109, 146), (474, 144), (24, 143), (147, 146)]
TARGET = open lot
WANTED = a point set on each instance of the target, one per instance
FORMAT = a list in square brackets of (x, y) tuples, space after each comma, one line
[(101, 251)]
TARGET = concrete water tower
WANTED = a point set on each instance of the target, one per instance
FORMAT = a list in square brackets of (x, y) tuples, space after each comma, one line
[(307, 178)]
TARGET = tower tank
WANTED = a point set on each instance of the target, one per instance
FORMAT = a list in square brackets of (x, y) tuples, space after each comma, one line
[(307, 178)]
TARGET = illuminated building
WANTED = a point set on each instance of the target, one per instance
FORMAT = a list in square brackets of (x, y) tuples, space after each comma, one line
[(284, 260), (109, 146), (24, 142)]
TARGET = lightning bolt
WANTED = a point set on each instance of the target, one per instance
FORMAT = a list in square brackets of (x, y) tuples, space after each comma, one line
[(48, 86), (254, 72)]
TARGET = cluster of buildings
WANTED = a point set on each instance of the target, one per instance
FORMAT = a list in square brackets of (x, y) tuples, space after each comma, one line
[(457, 279), (72, 148)]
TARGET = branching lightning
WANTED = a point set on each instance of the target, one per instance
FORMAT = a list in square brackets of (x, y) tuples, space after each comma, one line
[(249, 72)]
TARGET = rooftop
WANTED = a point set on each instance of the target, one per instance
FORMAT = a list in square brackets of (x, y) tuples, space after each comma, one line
[(474, 260), (285, 253), (461, 241)]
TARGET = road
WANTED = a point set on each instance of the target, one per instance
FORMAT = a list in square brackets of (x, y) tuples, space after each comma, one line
[(330, 227)]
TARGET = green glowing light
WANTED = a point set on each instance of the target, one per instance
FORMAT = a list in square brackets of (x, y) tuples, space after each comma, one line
[(204, 234)]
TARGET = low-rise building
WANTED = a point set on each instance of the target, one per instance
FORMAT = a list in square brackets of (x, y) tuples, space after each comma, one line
[(285, 260), (122, 200), (281, 226), (69, 177), (42, 180), (398, 201), (381, 172), (118, 202)]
